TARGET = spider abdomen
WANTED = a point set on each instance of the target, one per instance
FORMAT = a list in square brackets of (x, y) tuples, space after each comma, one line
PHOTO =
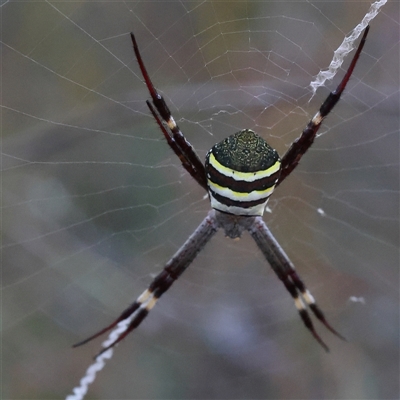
[(242, 171)]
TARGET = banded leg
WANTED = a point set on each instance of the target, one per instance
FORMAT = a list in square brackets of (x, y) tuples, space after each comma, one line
[(286, 272), (163, 281), (303, 143), (181, 147)]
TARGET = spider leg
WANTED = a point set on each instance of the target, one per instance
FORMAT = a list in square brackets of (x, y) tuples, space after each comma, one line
[(286, 272), (185, 162), (181, 147), (163, 281), (292, 157)]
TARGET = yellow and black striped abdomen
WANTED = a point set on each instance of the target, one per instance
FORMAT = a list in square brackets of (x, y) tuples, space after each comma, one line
[(242, 171)]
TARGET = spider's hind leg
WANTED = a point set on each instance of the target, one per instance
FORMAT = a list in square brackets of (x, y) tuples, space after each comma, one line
[(174, 268), (285, 271), (309, 299), (141, 306)]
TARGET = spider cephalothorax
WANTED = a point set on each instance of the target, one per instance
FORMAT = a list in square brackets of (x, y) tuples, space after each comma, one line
[(240, 173)]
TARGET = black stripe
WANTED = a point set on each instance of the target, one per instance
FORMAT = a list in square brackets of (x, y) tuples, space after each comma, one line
[(239, 185), (235, 203)]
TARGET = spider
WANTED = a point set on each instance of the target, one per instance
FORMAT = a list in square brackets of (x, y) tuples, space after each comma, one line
[(240, 173)]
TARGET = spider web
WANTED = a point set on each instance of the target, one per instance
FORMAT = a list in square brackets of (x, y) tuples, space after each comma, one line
[(94, 202)]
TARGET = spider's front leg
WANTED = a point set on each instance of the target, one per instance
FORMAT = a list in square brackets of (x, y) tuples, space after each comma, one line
[(286, 272), (163, 281), (292, 157), (177, 141)]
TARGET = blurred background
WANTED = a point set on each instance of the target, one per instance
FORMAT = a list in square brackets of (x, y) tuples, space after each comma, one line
[(94, 202)]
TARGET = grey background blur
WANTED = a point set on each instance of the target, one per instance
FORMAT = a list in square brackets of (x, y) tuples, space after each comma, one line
[(94, 202)]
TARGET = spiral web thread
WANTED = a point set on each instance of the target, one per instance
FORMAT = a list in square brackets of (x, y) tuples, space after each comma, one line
[(80, 391), (345, 48)]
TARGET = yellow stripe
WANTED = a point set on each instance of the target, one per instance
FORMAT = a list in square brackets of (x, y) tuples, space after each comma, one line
[(243, 176), (171, 123), (239, 196), (151, 303), (144, 296), (299, 304), (317, 119), (308, 297)]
